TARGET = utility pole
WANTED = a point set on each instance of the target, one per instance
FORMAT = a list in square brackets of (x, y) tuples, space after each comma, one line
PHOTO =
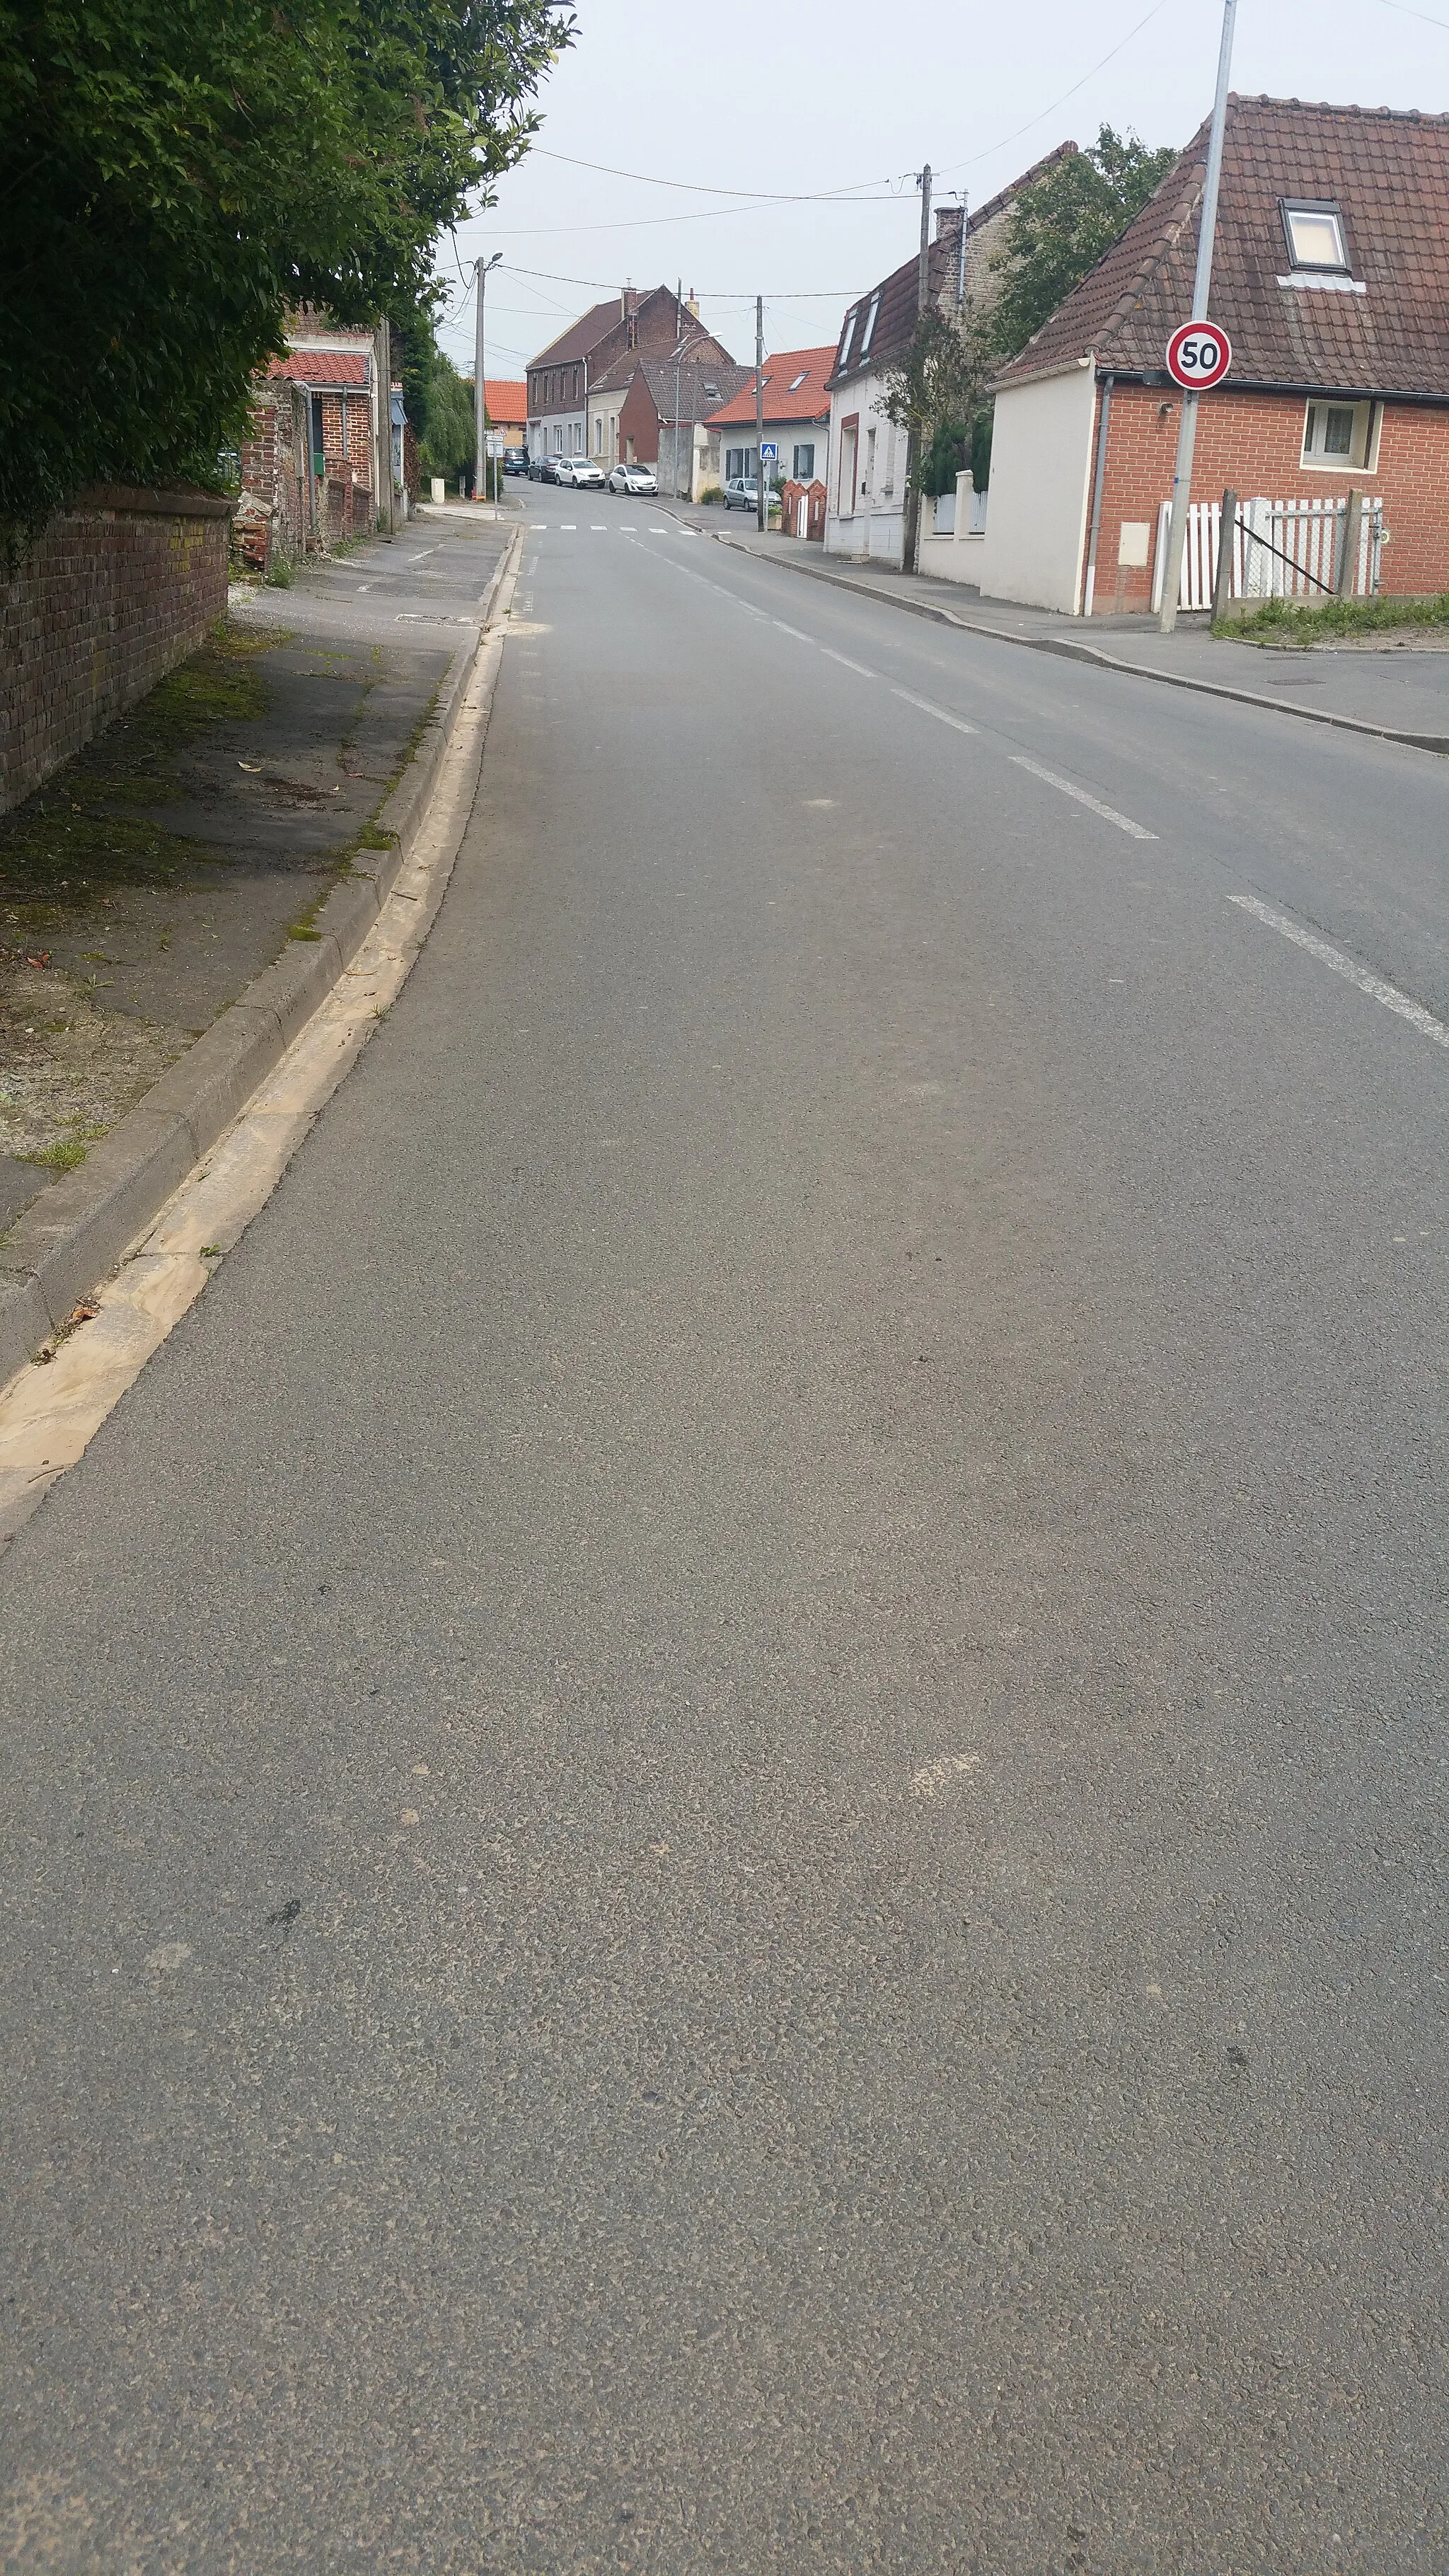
[(480, 402), (762, 514), (387, 497), (1202, 289), (913, 461)]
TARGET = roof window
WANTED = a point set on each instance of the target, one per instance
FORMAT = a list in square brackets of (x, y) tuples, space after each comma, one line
[(868, 333), (1315, 234), (845, 336), (797, 381)]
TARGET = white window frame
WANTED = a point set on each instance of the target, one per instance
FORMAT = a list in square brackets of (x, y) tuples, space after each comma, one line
[(1362, 456), (870, 321), (804, 473)]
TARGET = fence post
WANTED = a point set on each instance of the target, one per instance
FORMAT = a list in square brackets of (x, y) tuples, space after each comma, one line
[(1346, 571), (1227, 539)]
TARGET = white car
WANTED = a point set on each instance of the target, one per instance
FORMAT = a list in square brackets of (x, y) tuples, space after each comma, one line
[(742, 493), (581, 472), (634, 478)]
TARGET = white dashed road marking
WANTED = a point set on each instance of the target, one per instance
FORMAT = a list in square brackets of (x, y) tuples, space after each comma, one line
[(846, 663), (928, 708), (793, 630), (1374, 985), (1079, 796)]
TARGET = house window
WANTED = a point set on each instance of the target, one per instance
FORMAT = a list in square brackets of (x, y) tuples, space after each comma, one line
[(1315, 235), (805, 463), (740, 460), (868, 333), (868, 480), (845, 337), (1340, 434), (342, 402), (797, 381), (598, 437), (318, 442)]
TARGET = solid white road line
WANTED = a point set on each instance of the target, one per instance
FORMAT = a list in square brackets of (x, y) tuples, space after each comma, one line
[(929, 709), (1079, 796), (1374, 985), (846, 663)]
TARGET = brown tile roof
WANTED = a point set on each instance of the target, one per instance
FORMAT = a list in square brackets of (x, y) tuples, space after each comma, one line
[(323, 367), (583, 336), (783, 399), (1388, 172), (698, 386), (895, 323), (619, 375)]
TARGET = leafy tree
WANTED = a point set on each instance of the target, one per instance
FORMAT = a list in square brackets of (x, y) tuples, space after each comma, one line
[(177, 173), (438, 400), (1058, 230), (936, 383)]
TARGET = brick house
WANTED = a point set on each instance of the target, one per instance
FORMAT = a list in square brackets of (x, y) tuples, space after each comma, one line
[(866, 504), (662, 419), (796, 409), (308, 463), (1331, 278), (564, 378)]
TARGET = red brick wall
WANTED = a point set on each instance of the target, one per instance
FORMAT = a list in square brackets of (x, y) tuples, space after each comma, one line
[(639, 420), (108, 598), (1253, 443)]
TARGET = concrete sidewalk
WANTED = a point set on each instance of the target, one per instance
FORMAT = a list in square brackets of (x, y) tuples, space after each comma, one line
[(1398, 688), (205, 863)]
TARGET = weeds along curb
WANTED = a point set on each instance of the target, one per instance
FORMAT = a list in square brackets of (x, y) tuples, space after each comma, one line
[(1068, 649), (79, 1227)]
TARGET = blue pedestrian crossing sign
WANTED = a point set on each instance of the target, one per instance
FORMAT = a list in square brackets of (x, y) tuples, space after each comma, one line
[(768, 448)]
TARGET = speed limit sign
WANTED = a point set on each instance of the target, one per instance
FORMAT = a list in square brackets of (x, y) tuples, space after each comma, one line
[(1198, 355)]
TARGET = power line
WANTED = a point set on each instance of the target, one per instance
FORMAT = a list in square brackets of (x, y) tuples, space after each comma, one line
[(1044, 113), (707, 214), (716, 294), (1421, 14), (697, 188)]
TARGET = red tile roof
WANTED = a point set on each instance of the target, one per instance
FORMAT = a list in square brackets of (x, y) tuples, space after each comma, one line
[(783, 400), (1388, 172), (322, 367), (505, 402)]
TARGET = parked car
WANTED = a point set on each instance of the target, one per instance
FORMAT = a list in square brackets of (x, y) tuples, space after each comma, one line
[(515, 460), (585, 475), (544, 469), (742, 492), (634, 478)]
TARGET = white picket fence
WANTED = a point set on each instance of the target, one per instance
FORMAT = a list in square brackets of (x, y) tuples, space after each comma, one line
[(1281, 550)]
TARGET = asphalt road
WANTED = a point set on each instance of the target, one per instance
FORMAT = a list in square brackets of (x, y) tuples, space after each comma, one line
[(724, 1798)]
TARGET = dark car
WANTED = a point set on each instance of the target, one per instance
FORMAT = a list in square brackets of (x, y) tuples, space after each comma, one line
[(515, 460), (543, 470)]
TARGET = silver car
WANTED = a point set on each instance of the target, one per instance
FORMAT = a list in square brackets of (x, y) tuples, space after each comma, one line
[(634, 478), (583, 473), (742, 492)]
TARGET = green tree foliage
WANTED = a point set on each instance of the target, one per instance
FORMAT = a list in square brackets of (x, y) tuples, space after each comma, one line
[(936, 385), (177, 173), (1058, 230), (439, 402)]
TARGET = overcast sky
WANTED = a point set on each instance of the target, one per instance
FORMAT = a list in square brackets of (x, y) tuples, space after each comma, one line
[(856, 99)]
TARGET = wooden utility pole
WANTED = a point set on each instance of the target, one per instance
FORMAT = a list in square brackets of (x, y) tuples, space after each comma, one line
[(762, 515), (913, 458)]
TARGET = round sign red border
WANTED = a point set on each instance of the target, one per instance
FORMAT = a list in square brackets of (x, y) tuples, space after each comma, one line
[(1198, 384)]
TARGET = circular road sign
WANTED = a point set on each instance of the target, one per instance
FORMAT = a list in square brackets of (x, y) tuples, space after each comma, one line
[(1198, 355)]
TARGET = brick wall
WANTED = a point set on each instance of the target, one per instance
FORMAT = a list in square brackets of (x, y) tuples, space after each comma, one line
[(1253, 443), (108, 598), (283, 510)]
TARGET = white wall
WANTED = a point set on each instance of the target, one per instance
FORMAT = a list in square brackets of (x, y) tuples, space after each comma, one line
[(875, 529), (1041, 465)]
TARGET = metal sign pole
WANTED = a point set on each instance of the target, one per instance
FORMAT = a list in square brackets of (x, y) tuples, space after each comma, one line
[(1202, 288)]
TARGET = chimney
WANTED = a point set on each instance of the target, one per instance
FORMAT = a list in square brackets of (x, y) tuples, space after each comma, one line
[(948, 222), (691, 304)]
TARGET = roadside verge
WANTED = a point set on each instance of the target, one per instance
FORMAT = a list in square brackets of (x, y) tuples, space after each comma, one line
[(82, 1224)]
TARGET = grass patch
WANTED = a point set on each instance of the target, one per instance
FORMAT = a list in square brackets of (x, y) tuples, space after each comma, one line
[(66, 1151), (1294, 621), (66, 846)]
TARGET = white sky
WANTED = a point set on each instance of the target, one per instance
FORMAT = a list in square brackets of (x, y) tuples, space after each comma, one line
[(857, 97)]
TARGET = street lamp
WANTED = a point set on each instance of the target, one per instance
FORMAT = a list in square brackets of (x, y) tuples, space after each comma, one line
[(480, 436)]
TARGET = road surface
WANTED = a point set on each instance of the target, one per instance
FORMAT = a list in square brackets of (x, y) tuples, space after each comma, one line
[(725, 1796)]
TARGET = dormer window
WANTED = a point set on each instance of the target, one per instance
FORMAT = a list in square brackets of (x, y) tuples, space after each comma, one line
[(1315, 234), (845, 337), (868, 333)]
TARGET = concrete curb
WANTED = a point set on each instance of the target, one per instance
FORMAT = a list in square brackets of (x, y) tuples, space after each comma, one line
[(1070, 650), (78, 1228)]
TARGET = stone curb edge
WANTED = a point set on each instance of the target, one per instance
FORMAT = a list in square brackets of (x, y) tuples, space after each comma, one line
[(1071, 651), (78, 1228)]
